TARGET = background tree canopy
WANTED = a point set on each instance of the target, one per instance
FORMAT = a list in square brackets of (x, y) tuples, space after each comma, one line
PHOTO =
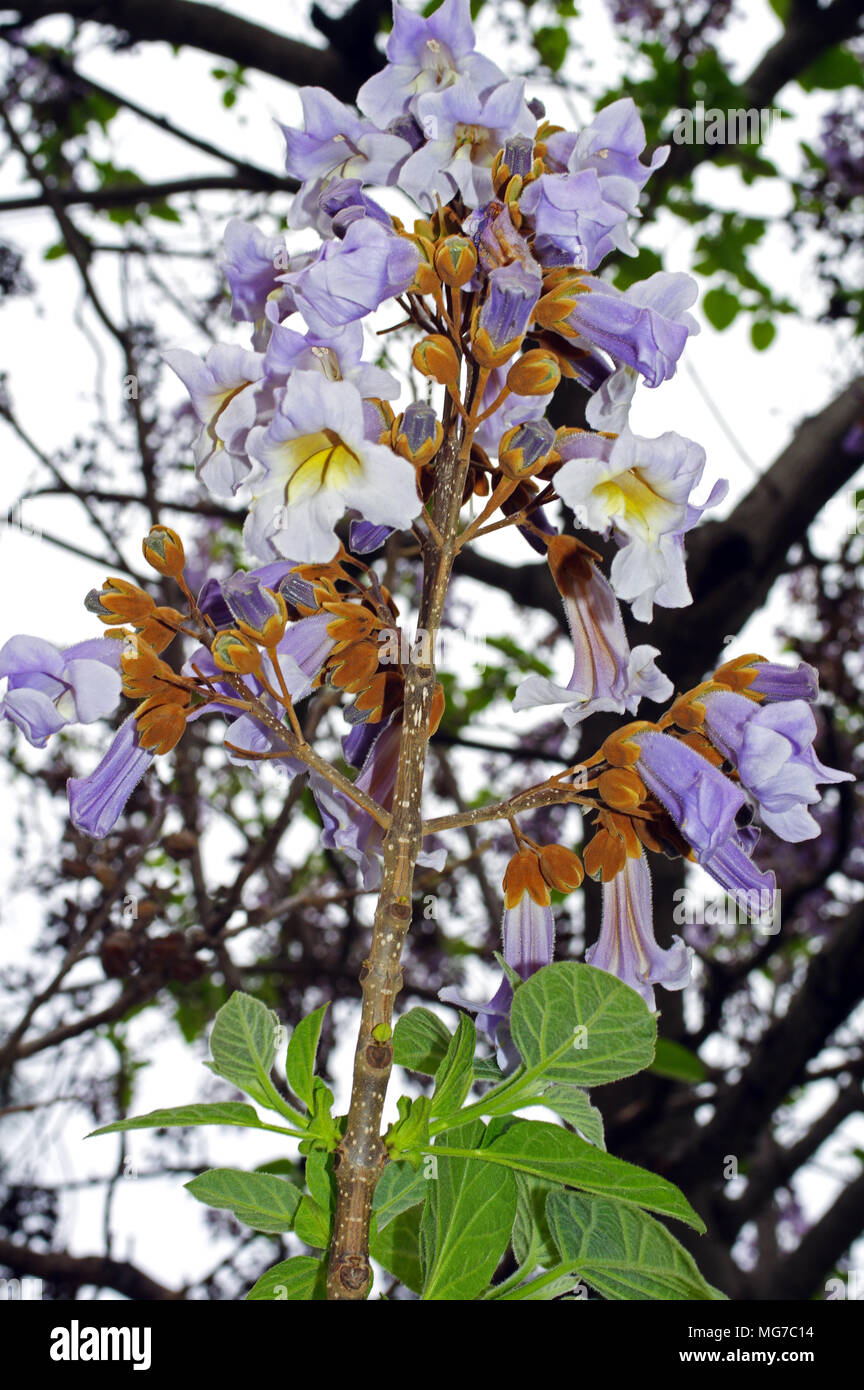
[(117, 953)]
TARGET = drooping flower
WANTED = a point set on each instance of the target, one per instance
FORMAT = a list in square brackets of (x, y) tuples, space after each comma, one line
[(732, 867), (606, 674), (609, 406), (227, 399), (639, 489), (96, 802), (528, 934), (348, 279), (626, 946), (425, 54), (48, 688), (464, 132), (317, 463), (772, 748)]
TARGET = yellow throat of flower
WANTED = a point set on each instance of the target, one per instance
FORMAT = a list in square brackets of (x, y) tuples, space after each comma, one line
[(316, 461)]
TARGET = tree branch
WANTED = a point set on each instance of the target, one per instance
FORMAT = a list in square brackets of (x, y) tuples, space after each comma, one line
[(213, 30), (57, 1266)]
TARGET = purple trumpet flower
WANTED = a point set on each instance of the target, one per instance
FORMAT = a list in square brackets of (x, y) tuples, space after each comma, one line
[(607, 675), (528, 932), (771, 747), (645, 326), (776, 682), (337, 354), (626, 946), (96, 802), (229, 398), (251, 264), (701, 801), (752, 888), (350, 278), (48, 688)]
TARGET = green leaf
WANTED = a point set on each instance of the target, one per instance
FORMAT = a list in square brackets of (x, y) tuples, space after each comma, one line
[(546, 1151), (835, 68), (762, 334), (259, 1200), (243, 1045), (466, 1222), (574, 1106), (212, 1113), (320, 1179), (300, 1057), (455, 1075), (420, 1041), (312, 1224), (609, 1025), (532, 1238), (622, 1252), (301, 1279), (399, 1188), (397, 1248), (720, 307), (677, 1062), (551, 42)]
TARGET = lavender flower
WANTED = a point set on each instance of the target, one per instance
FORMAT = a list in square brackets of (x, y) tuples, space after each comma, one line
[(48, 688), (645, 326), (639, 489), (465, 133), (336, 143), (626, 946), (606, 674), (573, 221), (701, 801), (350, 278), (228, 400), (771, 746), (96, 802), (528, 933), (336, 353), (251, 264), (424, 55)]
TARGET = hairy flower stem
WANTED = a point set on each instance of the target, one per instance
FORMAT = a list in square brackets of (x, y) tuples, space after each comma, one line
[(362, 1155)]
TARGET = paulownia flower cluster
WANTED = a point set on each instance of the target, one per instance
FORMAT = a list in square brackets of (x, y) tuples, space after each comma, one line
[(495, 271)]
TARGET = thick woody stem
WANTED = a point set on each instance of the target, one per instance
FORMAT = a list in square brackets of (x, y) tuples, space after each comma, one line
[(362, 1154)]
